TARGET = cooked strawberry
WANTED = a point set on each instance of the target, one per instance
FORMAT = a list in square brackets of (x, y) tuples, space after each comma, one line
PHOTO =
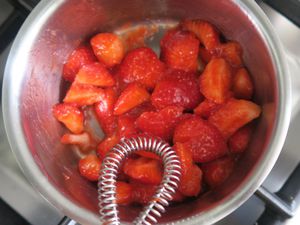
[(142, 65), (205, 55), (233, 115), (179, 50), (131, 97), (138, 110), (216, 172), (232, 52), (126, 126), (206, 108), (204, 31), (177, 197), (161, 123), (70, 115), (145, 170), (84, 141), (190, 182), (81, 56), (123, 193), (215, 81), (108, 48), (84, 94), (104, 111), (142, 193), (106, 144), (242, 85), (95, 74), (177, 89), (239, 141), (147, 154), (89, 167), (185, 157)]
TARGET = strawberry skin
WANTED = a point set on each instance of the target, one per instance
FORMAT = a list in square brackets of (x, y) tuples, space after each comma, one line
[(190, 182), (142, 193), (126, 126), (239, 141), (89, 167)]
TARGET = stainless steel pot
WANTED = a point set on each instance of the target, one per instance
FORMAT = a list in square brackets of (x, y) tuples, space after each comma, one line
[(33, 79)]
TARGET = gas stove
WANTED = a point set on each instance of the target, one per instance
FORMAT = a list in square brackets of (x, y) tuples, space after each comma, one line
[(275, 202)]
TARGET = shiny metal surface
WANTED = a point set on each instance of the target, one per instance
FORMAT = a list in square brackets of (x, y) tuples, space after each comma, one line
[(44, 42)]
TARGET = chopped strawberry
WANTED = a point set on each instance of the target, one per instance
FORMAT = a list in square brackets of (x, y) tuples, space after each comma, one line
[(131, 97), (145, 170), (232, 52), (147, 154), (233, 115), (179, 50), (84, 141), (83, 94), (89, 167), (70, 115), (216, 172), (177, 197), (185, 157), (215, 81), (95, 74), (142, 193), (108, 48), (242, 85), (177, 89), (204, 31), (206, 108), (123, 193), (142, 65), (126, 126), (104, 111), (161, 123), (106, 144), (190, 182), (239, 141), (81, 56), (205, 55), (138, 110)]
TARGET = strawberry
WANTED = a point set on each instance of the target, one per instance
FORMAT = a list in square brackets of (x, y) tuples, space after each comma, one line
[(145, 170), (89, 167), (177, 89), (233, 115), (108, 48), (185, 157), (83, 94), (131, 97), (205, 55), (95, 74), (242, 85), (123, 193), (206, 108), (147, 154), (215, 81), (142, 193), (204, 31), (106, 144), (232, 52), (126, 126), (238, 142), (142, 65), (177, 197), (104, 111), (179, 50), (70, 115), (190, 182), (138, 110), (161, 123), (81, 56), (84, 141), (216, 172)]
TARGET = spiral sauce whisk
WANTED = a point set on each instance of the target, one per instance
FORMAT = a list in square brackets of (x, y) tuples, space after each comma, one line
[(109, 172)]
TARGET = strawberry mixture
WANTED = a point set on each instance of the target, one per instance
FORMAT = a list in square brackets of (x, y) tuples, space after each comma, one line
[(196, 95)]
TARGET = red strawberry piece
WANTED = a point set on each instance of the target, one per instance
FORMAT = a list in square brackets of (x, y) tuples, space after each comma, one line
[(233, 115), (239, 141), (138, 110), (126, 126), (177, 89), (204, 31), (81, 56), (142, 193), (95, 74), (242, 85), (145, 170), (147, 154), (232, 52), (142, 65), (216, 172), (104, 111), (131, 97), (215, 82), (185, 157), (190, 182), (108, 48), (84, 94), (177, 197), (84, 141), (206, 108), (205, 55), (123, 193), (106, 144), (161, 123), (89, 167), (179, 50), (70, 115)]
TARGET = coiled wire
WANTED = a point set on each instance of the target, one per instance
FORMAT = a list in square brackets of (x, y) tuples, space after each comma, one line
[(110, 169)]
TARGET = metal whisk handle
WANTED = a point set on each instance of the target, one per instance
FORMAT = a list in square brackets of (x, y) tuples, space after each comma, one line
[(110, 169)]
